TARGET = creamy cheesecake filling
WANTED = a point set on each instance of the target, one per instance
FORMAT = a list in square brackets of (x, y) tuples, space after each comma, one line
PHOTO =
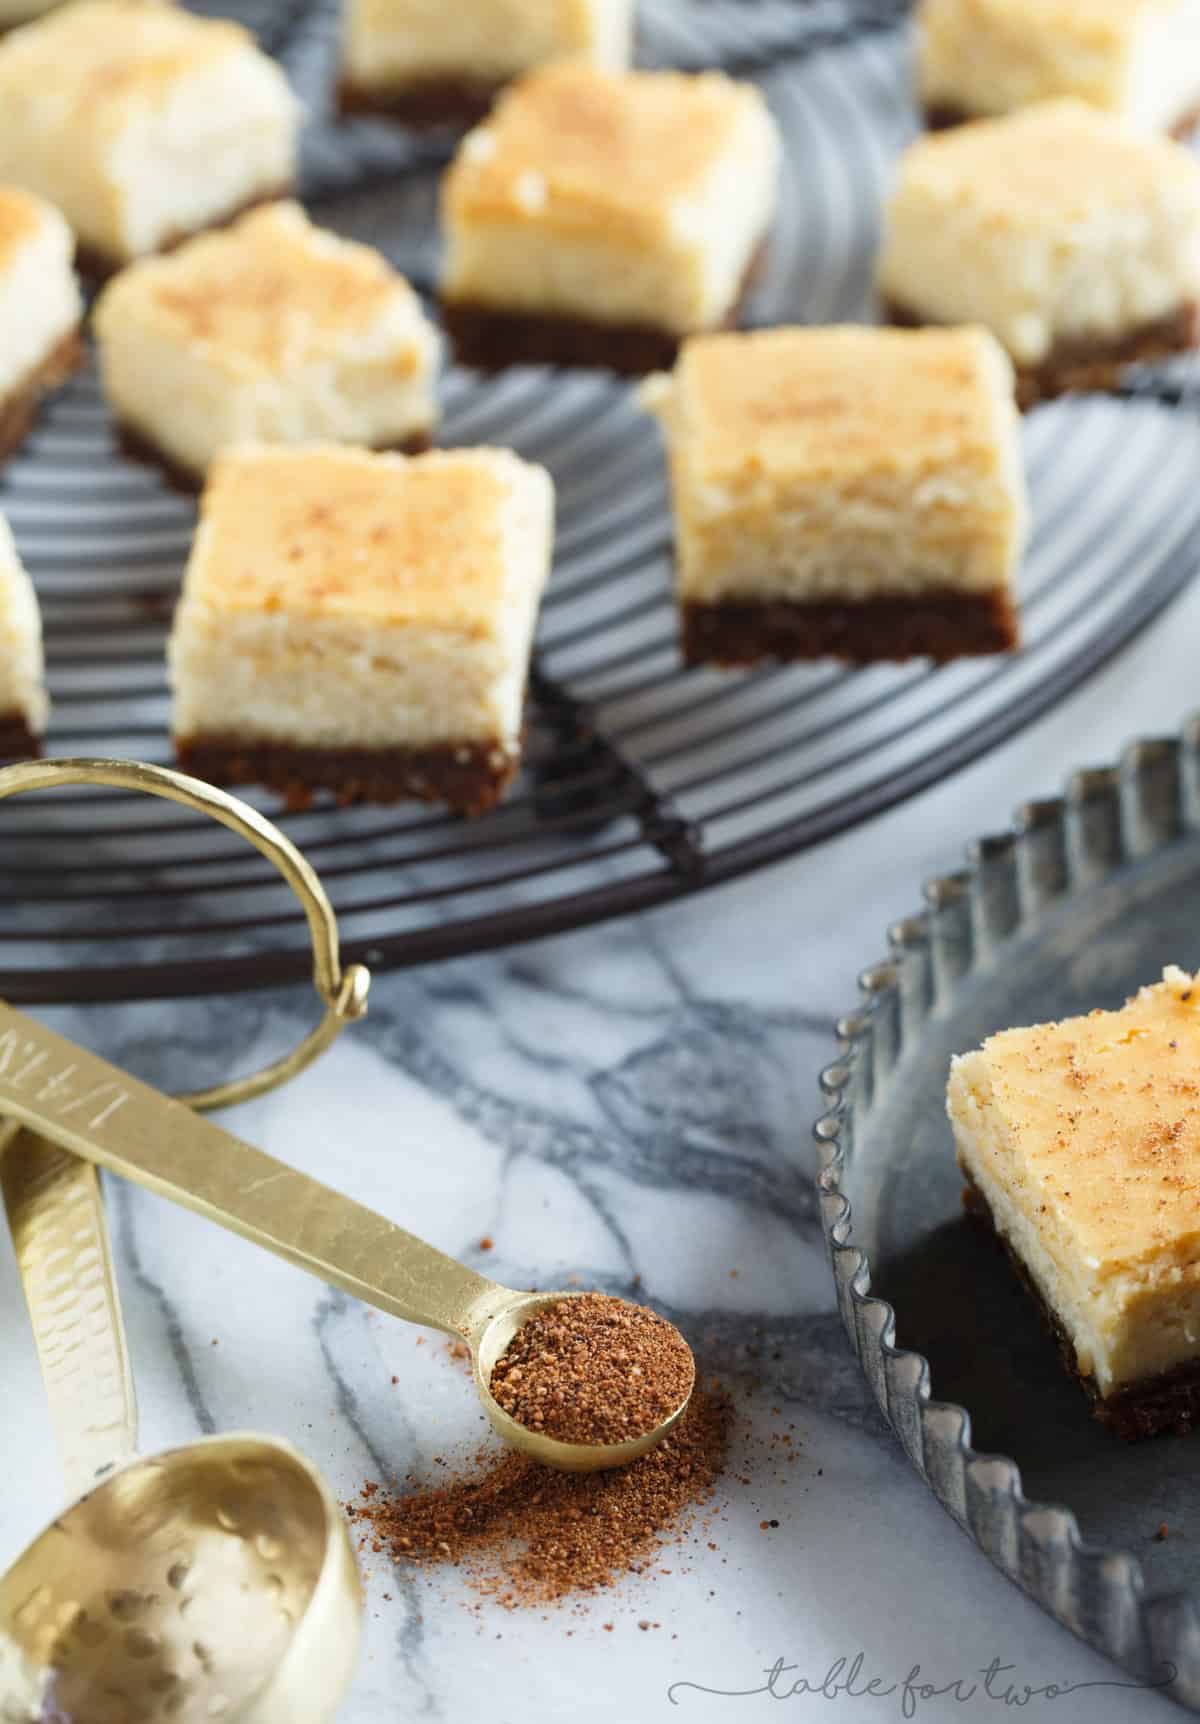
[(273, 332), (224, 136), (1028, 56), (509, 269), (39, 299), (142, 122), (721, 226), (190, 410), (885, 536), (1119, 272), (1082, 1138), (842, 465), (988, 59), (1123, 1327), (404, 641), (1162, 78), (525, 234), (1056, 225), (341, 684), (22, 688), (390, 43)]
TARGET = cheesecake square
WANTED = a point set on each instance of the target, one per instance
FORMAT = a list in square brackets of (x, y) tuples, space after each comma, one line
[(598, 217), (1071, 235), (1136, 58), (1080, 1145), (142, 122), (23, 703), (269, 331), (843, 491), (427, 65), (40, 311), (362, 623)]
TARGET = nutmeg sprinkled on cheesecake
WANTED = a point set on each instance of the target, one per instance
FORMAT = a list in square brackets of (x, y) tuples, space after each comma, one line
[(1081, 1142)]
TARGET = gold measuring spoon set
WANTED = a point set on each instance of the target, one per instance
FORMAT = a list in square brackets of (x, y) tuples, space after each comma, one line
[(215, 1581)]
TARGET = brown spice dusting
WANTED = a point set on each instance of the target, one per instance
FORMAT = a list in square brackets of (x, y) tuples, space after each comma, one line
[(1161, 1534), (525, 1534), (593, 1369)]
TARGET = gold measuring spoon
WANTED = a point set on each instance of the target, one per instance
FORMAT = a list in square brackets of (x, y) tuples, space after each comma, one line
[(99, 1112), (212, 1582), (88, 1369)]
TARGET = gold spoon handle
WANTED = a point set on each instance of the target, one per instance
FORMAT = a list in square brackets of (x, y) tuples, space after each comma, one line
[(55, 1211), (100, 1112)]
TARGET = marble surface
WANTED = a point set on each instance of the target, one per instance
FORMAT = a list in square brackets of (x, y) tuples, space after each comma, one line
[(630, 1101)]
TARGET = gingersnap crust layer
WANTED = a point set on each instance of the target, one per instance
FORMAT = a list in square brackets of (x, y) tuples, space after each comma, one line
[(469, 777), (489, 339), (422, 103), (939, 625), (19, 408), (1166, 1403), (17, 741)]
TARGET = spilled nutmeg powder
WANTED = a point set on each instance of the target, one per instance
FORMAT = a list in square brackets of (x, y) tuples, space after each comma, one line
[(524, 1534), (593, 1369)]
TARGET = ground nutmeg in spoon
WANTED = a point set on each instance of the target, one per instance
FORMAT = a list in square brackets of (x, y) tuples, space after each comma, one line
[(593, 1369)]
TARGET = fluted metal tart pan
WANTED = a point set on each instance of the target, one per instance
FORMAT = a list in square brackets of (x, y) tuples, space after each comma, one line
[(1084, 898)]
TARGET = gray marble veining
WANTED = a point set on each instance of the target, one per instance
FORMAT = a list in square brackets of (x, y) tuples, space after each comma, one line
[(630, 1102)]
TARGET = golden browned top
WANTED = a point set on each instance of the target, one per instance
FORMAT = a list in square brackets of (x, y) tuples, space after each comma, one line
[(269, 292), (327, 531), (21, 217), (1048, 164), (831, 400), (1103, 1113), (573, 145), (97, 55)]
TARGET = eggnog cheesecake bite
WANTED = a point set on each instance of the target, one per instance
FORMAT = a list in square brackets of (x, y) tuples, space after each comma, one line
[(427, 65), (40, 311), (23, 704), (597, 217), (269, 331), (1136, 58), (142, 122), (1068, 233), (362, 623), (843, 491), (1080, 1145)]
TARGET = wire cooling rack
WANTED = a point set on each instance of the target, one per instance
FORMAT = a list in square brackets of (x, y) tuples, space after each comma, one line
[(642, 782)]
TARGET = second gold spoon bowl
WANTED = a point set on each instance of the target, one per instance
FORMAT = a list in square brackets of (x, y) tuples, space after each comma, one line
[(210, 1583)]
